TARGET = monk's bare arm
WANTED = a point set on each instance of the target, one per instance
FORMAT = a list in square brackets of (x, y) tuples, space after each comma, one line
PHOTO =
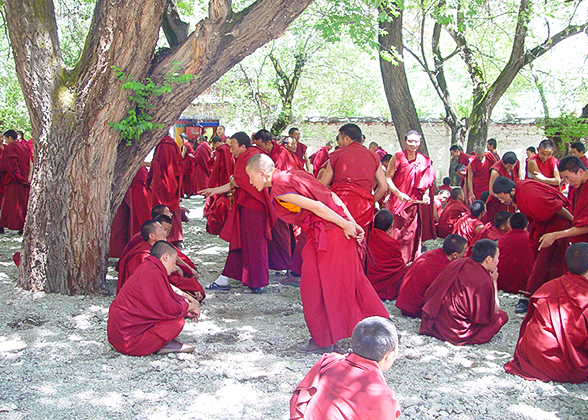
[(535, 173), (223, 189), (549, 238), (307, 164), (382, 185), (556, 176), (493, 175), (470, 181), (393, 188), (327, 176), (565, 213)]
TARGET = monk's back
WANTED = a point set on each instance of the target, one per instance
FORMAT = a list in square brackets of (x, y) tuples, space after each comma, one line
[(355, 164)]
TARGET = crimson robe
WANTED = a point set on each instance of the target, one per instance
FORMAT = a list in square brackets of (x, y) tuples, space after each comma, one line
[(493, 204), (452, 211), (552, 340), (301, 151), (489, 231), (464, 159), (445, 187), (146, 313), (140, 200), (344, 387), (515, 262), (419, 276), (584, 160), (547, 168), (131, 261), (413, 178), (218, 206), (15, 164), (335, 292), (318, 159), (120, 230), (579, 199), (186, 281), (187, 165), (202, 166), (466, 226), (385, 265), (481, 174), (460, 305)]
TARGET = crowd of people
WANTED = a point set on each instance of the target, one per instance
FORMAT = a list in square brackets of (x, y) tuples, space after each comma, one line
[(347, 226)]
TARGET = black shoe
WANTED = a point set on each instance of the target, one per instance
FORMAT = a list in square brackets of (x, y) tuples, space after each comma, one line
[(522, 306)]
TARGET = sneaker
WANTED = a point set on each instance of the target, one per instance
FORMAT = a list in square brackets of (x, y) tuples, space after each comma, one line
[(522, 306), (175, 346), (215, 286), (312, 348)]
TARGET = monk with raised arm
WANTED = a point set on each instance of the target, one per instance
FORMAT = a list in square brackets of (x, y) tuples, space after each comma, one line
[(543, 166)]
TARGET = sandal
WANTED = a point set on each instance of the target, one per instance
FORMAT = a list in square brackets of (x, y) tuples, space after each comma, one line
[(215, 286)]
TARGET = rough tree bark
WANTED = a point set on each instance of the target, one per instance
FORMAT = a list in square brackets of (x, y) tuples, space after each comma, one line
[(82, 168)]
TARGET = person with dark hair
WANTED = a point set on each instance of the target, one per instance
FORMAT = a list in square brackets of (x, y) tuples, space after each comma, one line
[(385, 265), (578, 150), (352, 386), (147, 314), (385, 161), (508, 167), (491, 145), (249, 224), (546, 210), (445, 184), (460, 157), (335, 292), (573, 171), (516, 257), (462, 306), (479, 173), (470, 224), (543, 167), (440, 199), (300, 148), (220, 132), (377, 149), (187, 165), (495, 230), (453, 210), (411, 179), (552, 338), (320, 158), (421, 274), (531, 153)]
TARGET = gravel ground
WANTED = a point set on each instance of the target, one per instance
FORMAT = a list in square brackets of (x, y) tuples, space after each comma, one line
[(56, 362)]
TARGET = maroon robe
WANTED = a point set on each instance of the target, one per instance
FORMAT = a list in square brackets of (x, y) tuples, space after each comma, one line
[(300, 152), (318, 159), (187, 164), (344, 387), (584, 160), (493, 204), (15, 164), (552, 340), (464, 159), (129, 263), (481, 174), (385, 265), (219, 205), (579, 199), (146, 313), (202, 166), (419, 276), (515, 262), (453, 210), (445, 187), (120, 230), (415, 179), (335, 292), (140, 200), (460, 305), (547, 168), (466, 226)]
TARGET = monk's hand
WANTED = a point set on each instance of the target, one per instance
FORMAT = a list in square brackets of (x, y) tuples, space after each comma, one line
[(207, 192), (359, 234), (426, 198), (403, 197), (494, 275), (350, 230), (547, 240), (195, 273), (540, 176), (194, 310)]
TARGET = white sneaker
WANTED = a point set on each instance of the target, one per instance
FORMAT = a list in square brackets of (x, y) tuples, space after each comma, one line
[(222, 280)]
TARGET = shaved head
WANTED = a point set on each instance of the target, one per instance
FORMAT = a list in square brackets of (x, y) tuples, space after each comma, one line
[(260, 162), (162, 247)]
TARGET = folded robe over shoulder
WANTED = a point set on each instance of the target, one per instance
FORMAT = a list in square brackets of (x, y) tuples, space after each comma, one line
[(515, 262), (385, 265), (452, 211), (344, 387), (466, 226)]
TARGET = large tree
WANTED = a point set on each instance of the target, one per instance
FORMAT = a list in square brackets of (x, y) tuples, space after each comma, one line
[(82, 166)]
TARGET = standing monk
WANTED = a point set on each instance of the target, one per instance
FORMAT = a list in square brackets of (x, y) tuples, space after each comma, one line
[(491, 146), (543, 166), (479, 173), (460, 157), (222, 170), (578, 149), (516, 258), (335, 292), (508, 167), (220, 133), (202, 164), (187, 164), (300, 150), (140, 200), (410, 176)]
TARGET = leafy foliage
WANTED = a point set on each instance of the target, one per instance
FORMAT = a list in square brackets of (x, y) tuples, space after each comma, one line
[(567, 127)]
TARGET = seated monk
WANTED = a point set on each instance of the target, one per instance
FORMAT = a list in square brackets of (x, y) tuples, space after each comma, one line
[(147, 314), (453, 210), (493, 231), (352, 386), (446, 184), (385, 265), (552, 339), (440, 200), (424, 270), (462, 306), (469, 224), (516, 257)]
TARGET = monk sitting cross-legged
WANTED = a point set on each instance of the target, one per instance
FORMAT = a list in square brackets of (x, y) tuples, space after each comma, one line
[(147, 314), (462, 306), (385, 265), (516, 257), (352, 386), (552, 340), (469, 224), (453, 210)]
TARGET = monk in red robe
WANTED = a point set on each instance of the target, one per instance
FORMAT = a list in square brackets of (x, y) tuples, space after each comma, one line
[(479, 173), (410, 177), (531, 152), (460, 157), (377, 149), (248, 228), (453, 210), (552, 339), (320, 157), (422, 272), (578, 149), (496, 229), (220, 132), (385, 265), (508, 167), (16, 171), (351, 172), (187, 165), (120, 230), (219, 205), (469, 224), (516, 257), (491, 146), (440, 200), (165, 181), (300, 148), (352, 386), (462, 306), (545, 208), (202, 164), (543, 167), (335, 292), (291, 146), (147, 314), (140, 200)]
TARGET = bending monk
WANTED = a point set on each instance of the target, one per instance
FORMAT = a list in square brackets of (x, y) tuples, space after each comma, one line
[(147, 314), (552, 340), (351, 386), (462, 306), (335, 292)]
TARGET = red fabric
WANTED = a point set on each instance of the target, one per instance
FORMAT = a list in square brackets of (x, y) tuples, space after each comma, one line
[(452, 211), (460, 305), (579, 199), (466, 226), (146, 312), (427, 218), (176, 234), (202, 166), (515, 261), (133, 242), (318, 159), (335, 292), (222, 168), (489, 231), (419, 276), (380, 152), (301, 151), (547, 168), (186, 282), (344, 387), (493, 205), (445, 187), (218, 212), (481, 174), (140, 200), (283, 159), (464, 159), (552, 340), (584, 160), (120, 230), (187, 164), (165, 174), (385, 265), (15, 163), (131, 261)]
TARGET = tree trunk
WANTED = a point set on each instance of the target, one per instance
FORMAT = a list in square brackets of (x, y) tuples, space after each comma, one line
[(82, 168)]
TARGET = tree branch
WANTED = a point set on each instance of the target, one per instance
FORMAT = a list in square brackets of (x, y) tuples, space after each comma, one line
[(219, 10), (176, 31)]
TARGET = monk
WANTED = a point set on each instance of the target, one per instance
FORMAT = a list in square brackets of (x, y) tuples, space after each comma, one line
[(147, 314), (543, 167), (120, 229), (421, 274), (460, 157), (578, 150), (335, 292), (202, 164), (320, 157), (377, 149), (531, 153), (462, 306), (516, 257), (491, 146), (453, 210), (470, 224), (352, 386), (546, 211), (140, 200), (573, 171), (187, 164), (508, 167), (410, 177), (496, 229), (220, 132), (351, 172), (218, 206), (552, 339), (445, 184), (300, 148), (478, 173), (248, 227), (165, 181), (291, 146), (385, 265), (16, 171), (440, 201)]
